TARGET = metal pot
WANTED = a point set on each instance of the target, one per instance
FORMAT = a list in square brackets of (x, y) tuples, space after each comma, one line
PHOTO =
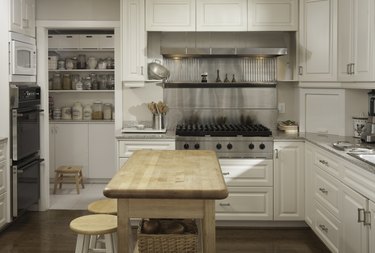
[(157, 71)]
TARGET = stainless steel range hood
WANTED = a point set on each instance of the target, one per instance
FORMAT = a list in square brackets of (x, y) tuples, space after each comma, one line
[(222, 52)]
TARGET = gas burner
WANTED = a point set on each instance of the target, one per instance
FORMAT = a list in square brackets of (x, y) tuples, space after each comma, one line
[(222, 130)]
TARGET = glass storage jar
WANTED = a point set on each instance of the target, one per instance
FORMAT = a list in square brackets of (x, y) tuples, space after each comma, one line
[(87, 83), (87, 112), (102, 82), (77, 111), (94, 81), (57, 82), (57, 114), (67, 82), (107, 111), (69, 63), (66, 113), (111, 82), (81, 61), (97, 110)]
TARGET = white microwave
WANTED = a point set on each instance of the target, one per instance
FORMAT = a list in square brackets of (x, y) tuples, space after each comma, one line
[(22, 58)]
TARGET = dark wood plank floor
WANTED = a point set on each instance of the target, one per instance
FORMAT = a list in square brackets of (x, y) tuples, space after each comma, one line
[(38, 232)]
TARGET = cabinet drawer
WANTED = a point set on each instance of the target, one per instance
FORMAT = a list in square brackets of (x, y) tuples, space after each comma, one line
[(3, 149), (327, 228), (247, 172), (126, 149), (89, 41), (327, 163), (2, 176), (63, 41), (327, 191), (246, 203), (3, 209), (106, 41)]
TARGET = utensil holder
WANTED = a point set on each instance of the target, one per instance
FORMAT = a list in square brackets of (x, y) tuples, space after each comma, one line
[(158, 121)]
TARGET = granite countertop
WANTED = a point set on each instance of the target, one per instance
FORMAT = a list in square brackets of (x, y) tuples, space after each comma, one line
[(325, 141)]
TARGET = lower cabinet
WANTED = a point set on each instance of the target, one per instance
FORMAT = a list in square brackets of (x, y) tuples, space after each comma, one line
[(3, 209), (339, 215), (250, 189), (289, 181), (91, 145)]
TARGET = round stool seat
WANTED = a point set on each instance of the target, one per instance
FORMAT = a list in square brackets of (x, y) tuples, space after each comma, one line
[(94, 224), (103, 206)]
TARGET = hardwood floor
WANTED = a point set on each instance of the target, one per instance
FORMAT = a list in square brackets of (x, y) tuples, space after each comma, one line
[(39, 232)]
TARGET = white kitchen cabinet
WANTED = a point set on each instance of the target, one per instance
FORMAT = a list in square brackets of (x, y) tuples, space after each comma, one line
[(221, 15), (356, 38), (71, 146), (289, 181), (272, 15), (102, 151), (3, 170), (22, 17), (354, 234), (246, 203), (170, 15), (125, 148), (3, 183), (250, 189), (309, 169), (318, 40), (372, 227), (134, 39)]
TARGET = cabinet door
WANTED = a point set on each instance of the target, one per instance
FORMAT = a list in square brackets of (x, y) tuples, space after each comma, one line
[(289, 181), (134, 37), (170, 15), (16, 15), (353, 233), (71, 145), (28, 17), (3, 170), (345, 53), (372, 227), (309, 170), (102, 150), (363, 40), (52, 163), (273, 15), (221, 15), (318, 38)]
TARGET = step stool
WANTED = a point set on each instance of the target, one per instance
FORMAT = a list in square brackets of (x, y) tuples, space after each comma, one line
[(68, 172), (103, 206), (94, 225)]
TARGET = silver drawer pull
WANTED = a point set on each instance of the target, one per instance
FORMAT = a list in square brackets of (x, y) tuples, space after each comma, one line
[(361, 215), (323, 228), (323, 162), (323, 190), (224, 204), (367, 221), (226, 173)]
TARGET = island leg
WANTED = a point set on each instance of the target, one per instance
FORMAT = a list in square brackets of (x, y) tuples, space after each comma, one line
[(124, 227), (209, 227)]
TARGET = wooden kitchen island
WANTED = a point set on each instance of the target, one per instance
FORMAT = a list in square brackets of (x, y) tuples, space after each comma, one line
[(168, 184)]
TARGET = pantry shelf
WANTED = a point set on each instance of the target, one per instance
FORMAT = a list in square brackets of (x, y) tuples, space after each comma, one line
[(81, 70), (81, 91)]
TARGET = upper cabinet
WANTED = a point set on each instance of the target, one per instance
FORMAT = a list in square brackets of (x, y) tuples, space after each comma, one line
[(356, 38), (221, 15), (318, 40), (170, 15), (22, 18), (133, 41), (273, 15)]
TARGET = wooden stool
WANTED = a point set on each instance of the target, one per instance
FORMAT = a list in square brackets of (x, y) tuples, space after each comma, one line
[(95, 225), (69, 171), (103, 206)]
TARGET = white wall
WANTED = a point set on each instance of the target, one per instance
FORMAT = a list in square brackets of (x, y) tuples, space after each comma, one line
[(287, 93), (94, 10)]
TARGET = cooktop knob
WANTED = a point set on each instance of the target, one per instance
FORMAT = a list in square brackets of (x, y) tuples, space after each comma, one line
[(262, 146), (251, 146), (186, 146), (196, 146), (229, 146), (218, 146)]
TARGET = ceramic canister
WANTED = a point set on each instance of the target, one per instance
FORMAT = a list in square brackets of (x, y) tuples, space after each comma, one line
[(358, 124)]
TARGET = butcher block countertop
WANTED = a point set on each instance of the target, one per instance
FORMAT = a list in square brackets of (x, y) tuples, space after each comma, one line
[(169, 174)]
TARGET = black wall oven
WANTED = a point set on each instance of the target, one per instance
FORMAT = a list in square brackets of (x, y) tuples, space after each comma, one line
[(25, 146)]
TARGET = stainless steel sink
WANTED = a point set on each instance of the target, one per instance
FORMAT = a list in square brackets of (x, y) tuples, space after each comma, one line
[(366, 156)]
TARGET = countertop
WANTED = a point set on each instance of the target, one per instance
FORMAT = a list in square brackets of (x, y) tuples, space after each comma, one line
[(169, 174), (322, 140)]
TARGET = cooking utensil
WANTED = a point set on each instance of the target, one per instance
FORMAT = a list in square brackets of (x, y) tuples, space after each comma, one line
[(157, 71)]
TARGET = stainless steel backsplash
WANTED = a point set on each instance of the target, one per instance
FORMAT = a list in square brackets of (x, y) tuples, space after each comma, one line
[(220, 105), (245, 69)]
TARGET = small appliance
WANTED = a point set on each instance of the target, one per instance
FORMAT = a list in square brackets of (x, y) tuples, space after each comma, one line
[(368, 134)]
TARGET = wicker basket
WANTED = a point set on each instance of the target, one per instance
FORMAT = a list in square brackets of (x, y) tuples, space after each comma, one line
[(167, 243)]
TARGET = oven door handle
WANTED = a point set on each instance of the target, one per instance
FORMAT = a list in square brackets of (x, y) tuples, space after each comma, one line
[(14, 191)]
